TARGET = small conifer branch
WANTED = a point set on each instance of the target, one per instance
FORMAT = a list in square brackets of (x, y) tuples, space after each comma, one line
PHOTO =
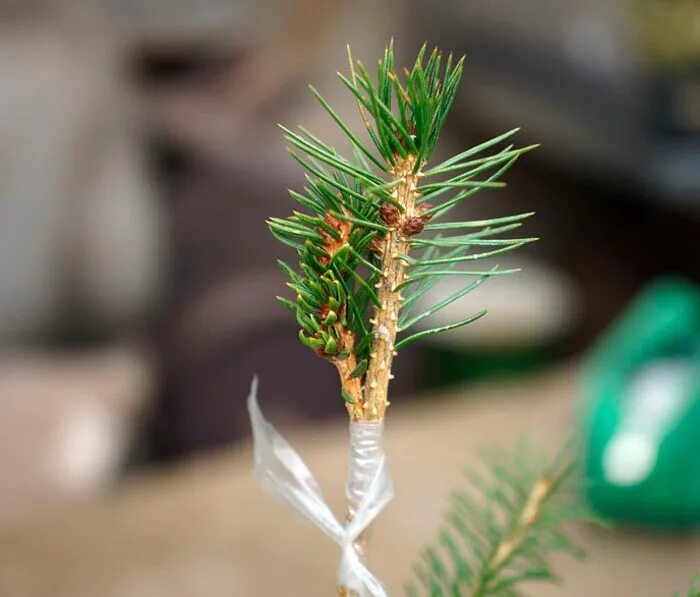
[(504, 551), (367, 212), (357, 285), (499, 535), (335, 236)]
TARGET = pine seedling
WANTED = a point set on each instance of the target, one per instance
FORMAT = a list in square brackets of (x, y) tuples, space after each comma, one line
[(373, 234)]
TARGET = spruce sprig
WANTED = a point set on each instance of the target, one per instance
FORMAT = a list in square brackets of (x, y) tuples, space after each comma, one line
[(498, 535), (362, 265)]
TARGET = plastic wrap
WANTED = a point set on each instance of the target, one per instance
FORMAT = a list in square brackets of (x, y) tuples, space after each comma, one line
[(285, 477), (366, 455)]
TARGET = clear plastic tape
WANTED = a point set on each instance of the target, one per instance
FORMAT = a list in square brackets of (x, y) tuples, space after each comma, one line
[(287, 479), (366, 454)]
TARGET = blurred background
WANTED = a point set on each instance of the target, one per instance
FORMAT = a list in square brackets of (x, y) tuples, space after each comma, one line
[(139, 158)]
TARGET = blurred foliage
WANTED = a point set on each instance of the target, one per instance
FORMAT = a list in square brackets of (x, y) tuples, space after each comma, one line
[(694, 590), (498, 534)]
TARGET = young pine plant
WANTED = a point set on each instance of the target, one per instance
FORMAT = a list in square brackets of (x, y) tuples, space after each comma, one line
[(373, 234)]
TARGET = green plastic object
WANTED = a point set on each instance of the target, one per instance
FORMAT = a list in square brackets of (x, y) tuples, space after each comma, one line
[(641, 410)]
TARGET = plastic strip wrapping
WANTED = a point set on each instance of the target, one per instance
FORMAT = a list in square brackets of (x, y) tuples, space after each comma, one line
[(366, 454), (285, 477)]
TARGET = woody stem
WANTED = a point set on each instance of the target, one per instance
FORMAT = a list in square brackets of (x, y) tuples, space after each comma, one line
[(385, 320)]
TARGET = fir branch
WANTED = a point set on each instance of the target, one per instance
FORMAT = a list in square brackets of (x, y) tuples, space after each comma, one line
[(363, 268), (498, 535), (362, 265)]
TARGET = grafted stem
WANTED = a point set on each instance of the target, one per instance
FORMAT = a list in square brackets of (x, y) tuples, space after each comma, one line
[(363, 215), (385, 321)]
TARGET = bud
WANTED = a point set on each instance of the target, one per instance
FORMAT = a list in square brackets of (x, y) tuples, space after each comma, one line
[(330, 319), (412, 226), (389, 213)]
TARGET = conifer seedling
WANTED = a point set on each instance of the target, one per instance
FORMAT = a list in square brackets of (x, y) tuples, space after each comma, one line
[(373, 234)]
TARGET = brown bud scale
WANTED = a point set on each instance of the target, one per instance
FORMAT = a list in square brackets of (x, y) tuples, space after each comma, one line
[(389, 213), (412, 226)]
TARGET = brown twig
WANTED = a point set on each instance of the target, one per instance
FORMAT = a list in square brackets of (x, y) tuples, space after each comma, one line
[(385, 321)]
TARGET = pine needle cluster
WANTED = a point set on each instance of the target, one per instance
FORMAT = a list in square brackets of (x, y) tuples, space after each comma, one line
[(372, 232)]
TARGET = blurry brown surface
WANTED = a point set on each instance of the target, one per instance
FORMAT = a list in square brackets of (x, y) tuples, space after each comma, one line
[(208, 529), (68, 419)]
